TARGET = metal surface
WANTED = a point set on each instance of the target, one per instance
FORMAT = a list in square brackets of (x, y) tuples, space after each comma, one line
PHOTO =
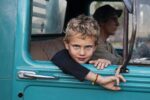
[(125, 35), (7, 43)]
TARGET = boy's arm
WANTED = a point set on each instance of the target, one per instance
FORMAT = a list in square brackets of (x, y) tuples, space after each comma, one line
[(109, 82), (63, 60)]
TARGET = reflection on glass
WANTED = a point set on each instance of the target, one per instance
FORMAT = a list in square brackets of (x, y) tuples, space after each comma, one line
[(48, 16), (141, 52)]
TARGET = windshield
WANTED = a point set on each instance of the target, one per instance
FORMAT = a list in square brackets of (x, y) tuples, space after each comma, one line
[(141, 53)]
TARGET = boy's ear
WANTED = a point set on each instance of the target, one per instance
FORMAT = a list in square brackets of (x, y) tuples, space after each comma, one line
[(66, 45)]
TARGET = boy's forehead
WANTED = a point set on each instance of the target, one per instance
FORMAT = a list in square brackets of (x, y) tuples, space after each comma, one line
[(82, 41), (83, 37)]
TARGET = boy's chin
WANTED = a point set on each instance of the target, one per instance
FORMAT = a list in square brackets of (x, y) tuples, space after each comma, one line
[(81, 62)]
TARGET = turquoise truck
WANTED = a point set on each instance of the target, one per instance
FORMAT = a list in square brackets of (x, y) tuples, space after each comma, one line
[(28, 32)]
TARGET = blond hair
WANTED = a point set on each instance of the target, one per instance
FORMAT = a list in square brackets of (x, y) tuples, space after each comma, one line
[(84, 26)]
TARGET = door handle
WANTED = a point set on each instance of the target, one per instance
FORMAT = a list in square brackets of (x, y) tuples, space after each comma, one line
[(33, 75)]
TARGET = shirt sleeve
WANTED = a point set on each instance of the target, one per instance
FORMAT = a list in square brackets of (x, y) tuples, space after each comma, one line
[(103, 52), (64, 61)]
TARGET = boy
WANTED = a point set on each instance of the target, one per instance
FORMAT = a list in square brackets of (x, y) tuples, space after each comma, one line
[(82, 34)]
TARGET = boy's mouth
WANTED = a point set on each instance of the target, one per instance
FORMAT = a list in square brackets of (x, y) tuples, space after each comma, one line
[(82, 59)]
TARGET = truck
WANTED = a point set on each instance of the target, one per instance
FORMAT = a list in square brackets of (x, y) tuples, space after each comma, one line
[(28, 32)]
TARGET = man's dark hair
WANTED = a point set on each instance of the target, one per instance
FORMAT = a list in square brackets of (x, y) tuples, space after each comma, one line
[(103, 13)]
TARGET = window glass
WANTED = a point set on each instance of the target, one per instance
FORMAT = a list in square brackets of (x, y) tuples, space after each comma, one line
[(48, 16), (141, 52), (117, 39)]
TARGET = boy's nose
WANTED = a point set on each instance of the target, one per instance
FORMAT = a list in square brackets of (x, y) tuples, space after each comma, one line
[(82, 52)]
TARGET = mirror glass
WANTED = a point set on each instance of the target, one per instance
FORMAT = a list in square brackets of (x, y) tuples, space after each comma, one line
[(129, 5)]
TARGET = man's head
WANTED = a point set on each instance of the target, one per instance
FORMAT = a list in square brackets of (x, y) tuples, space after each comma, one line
[(102, 14), (81, 38), (107, 18)]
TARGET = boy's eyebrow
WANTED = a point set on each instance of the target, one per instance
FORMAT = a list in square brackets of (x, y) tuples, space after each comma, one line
[(89, 45), (84, 45), (75, 44)]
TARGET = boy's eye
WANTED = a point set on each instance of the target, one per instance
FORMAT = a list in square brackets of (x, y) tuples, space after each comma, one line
[(76, 46), (89, 47)]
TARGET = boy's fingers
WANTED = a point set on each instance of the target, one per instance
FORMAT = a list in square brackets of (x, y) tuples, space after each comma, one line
[(112, 79), (118, 70), (106, 65), (117, 81), (96, 63), (93, 62), (121, 78), (101, 65), (98, 67), (115, 88)]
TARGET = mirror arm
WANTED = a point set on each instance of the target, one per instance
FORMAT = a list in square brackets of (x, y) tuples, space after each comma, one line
[(126, 61)]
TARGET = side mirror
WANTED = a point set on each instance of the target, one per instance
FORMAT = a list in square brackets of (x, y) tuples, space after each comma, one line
[(129, 5)]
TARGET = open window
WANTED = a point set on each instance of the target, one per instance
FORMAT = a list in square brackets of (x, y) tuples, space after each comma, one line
[(49, 18)]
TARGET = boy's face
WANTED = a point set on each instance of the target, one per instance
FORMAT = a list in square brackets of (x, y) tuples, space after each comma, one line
[(81, 50)]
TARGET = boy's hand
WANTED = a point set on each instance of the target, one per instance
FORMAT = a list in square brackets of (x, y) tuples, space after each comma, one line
[(100, 63), (118, 70), (111, 82)]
